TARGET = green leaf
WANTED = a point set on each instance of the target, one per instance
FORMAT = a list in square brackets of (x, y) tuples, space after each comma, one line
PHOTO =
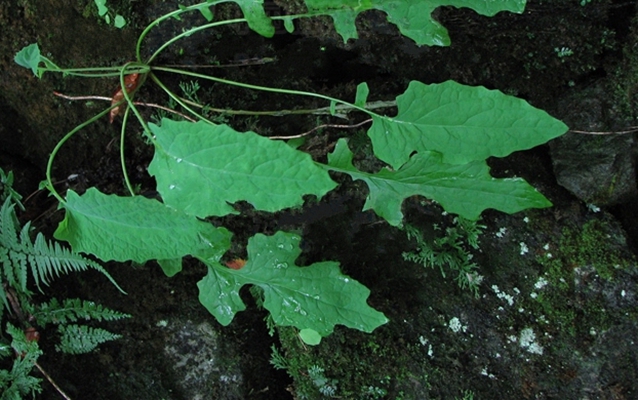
[(206, 12), (465, 190), (119, 21), (296, 142), (310, 337), (362, 94), (412, 17), (170, 267), (200, 168), (102, 9), (316, 297), (463, 123), (29, 57), (219, 292), (135, 228), (81, 339), (255, 14), (289, 25)]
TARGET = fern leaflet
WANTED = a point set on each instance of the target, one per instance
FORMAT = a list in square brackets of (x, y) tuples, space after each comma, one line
[(80, 339), (72, 310)]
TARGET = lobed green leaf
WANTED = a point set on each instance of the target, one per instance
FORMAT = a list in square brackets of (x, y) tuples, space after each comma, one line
[(412, 17), (315, 297), (465, 190), (219, 292)]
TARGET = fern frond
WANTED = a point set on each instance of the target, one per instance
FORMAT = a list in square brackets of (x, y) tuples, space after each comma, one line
[(3, 294), (49, 260), (18, 280), (80, 339), (9, 244), (17, 383), (13, 264), (8, 224), (5, 349), (72, 310)]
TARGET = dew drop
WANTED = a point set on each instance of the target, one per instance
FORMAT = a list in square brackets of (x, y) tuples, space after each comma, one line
[(300, 310), (179, 160), (171, 187)]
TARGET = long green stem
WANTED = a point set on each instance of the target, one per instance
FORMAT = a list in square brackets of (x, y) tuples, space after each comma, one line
[(129, 100), (90, 72), (280, 113), (103, 75), (122, 158), (265, 88), (190, 32), (144, 68), (57, 147), (178, 99), (172, 14)]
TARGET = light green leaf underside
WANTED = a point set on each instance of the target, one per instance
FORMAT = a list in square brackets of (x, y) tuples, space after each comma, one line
[(200, 168), (412, 17), (316, 297), (465, 190), (134, 228), (29, 57), (463, 123)]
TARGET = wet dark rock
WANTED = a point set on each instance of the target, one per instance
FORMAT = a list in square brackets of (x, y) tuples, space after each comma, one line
[(202, 367), (596, 168), (557, 306)]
